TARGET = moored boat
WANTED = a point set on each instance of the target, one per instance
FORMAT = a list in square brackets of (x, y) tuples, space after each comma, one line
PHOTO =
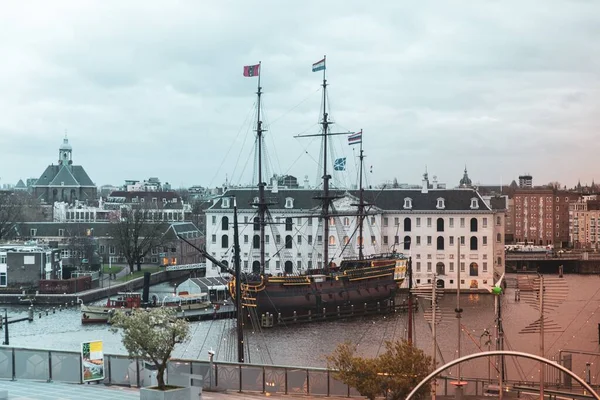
[(125, 301)]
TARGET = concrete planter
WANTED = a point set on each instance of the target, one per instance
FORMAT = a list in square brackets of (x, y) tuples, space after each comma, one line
[(151, 393)]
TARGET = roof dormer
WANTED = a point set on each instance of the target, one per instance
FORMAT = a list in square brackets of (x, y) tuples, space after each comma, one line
[(225, 202), (255, 202), (289, 202), (408, 203), (441, 203), (474, 203)]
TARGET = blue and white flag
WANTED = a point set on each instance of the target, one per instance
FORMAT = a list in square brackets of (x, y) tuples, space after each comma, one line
[(339, 164)]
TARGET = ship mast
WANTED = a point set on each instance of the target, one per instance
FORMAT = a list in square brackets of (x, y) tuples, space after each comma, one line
[(326, 200), (262, 207), (361, 205)]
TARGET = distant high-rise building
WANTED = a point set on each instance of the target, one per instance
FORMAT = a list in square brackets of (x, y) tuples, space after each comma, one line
[(525, 181)]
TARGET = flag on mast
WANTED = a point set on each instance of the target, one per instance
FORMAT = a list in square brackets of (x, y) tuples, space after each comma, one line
[(318, 66), (355, 138), (339, 164), (252, 70)]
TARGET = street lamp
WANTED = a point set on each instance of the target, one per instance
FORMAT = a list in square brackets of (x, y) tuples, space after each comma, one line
[(5, 327)]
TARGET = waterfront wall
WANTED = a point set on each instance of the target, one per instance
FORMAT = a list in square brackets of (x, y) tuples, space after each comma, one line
[(92, 295)]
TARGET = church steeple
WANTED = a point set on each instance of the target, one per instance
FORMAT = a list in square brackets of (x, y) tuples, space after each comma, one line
[(465, 181), (65, 153)]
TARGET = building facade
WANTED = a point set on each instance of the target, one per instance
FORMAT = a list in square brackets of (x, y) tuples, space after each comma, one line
[(24, 265), (430, 225), (584, 229)]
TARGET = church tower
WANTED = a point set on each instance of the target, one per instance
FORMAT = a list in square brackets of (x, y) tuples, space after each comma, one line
[(65, 153), (465, 182)]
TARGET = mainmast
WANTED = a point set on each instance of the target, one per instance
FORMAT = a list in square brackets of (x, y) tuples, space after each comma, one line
[(326, 200), (262, 207)]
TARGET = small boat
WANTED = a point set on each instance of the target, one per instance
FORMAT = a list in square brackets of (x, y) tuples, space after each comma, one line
[(185, 301), (101, 314)]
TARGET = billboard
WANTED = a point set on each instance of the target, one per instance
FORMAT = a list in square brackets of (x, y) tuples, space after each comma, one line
[(92, 361)]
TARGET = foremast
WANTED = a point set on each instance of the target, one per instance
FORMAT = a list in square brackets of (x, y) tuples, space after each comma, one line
[(262, 206), (361, 204), (326, 199)]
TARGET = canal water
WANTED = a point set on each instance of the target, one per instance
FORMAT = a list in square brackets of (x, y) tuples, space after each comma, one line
[(308, 344)]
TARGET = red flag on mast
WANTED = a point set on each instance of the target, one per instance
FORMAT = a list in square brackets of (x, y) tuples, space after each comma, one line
[(252, 70)]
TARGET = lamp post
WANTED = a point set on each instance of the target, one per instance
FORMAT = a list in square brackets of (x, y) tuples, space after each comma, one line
[(5, 327)]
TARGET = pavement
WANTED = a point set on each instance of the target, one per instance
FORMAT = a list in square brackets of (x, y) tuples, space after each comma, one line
[(36, 390)]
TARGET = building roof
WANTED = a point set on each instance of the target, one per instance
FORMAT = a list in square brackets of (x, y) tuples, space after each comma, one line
[(388, 199), (71, 175)]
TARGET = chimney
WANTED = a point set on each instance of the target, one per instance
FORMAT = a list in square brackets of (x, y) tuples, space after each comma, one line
[(274, 187), (306, 186), (425, 187), (435, 182)]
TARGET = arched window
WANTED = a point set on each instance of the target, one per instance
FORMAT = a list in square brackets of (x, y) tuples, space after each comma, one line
[(256, 242), (406, 242), (256, 224), (288, 242), (473, 242), (256, 267), (440, 243), (346, 240), (440, 268), (225, 262), (332, 240), (346, 221), (473, 269), (407, 224), (288, 267), (440, 224), (224, 241), (224, 223), (288, 224), (498, 237), (473, 224), (331, 221)]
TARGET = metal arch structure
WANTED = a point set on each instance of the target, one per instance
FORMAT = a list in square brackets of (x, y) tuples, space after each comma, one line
[(501, 353)]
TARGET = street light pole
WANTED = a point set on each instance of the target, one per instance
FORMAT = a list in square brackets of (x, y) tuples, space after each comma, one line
[(5, 327)]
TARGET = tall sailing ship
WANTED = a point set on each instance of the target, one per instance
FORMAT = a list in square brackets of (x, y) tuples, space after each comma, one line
[(356, 285)]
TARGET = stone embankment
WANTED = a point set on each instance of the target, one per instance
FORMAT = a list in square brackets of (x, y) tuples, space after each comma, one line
[(91, 295)]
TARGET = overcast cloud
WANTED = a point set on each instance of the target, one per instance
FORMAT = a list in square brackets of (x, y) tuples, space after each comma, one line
[(155, 88)]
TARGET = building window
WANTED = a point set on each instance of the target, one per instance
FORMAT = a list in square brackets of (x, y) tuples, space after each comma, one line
[(440, 224), (462, 240), (385, 221), (385, 240), (407, 203), (428, 266), (451, 266), (289, 202), (309, 239), (224, 202), (474, 203), (32, 232), (213, 239), (451, 222), (429, 222), (224, 241), (418, 240), (373, 241), (288, 242), (484, 241), (396, 221), (418, 266), (347, 240), (484, 222), (346, 221), (299, 240), (428, 240), (245, 239), (499, 261), (288, 224), (111, 249), (372, 221), (3, 280), (61, 232), (473, 243), (102, 249), (451, 240), (407, 225), (462, 266), (473, 224), (256, 242), (440, 204), (407, 242), (462, 222), (440, 269), (309, 221), (473, 269), (224, 224), (484, 267), (440, 243), (498, 237)]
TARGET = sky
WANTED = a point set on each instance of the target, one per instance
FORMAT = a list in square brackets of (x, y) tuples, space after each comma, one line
[(155, 88)]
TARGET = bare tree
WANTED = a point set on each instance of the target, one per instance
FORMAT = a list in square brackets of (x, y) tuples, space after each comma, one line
[(11, 212), (554, 185), (136, 232), (81, 245)]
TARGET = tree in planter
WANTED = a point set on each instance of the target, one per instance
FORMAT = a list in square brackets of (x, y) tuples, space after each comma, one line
[(151, 335), (392, 374), (136, 232)]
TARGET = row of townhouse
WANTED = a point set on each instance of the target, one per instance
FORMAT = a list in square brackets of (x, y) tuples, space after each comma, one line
[(429, 225)]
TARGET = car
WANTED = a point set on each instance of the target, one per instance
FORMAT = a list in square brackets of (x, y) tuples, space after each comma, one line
[(491, 391)]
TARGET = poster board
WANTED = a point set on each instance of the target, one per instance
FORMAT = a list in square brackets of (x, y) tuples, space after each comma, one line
[(92, 361)]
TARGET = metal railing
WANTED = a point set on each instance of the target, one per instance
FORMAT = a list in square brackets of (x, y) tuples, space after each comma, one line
[(66, 366)]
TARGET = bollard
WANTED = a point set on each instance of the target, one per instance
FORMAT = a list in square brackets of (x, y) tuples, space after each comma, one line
[(40, 315), (338, 311), (309, 315), (324, 313), (295, 316), (352, 309), (53, 310), (30, 314), (278, 318), (378, 307), (46, 312)]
